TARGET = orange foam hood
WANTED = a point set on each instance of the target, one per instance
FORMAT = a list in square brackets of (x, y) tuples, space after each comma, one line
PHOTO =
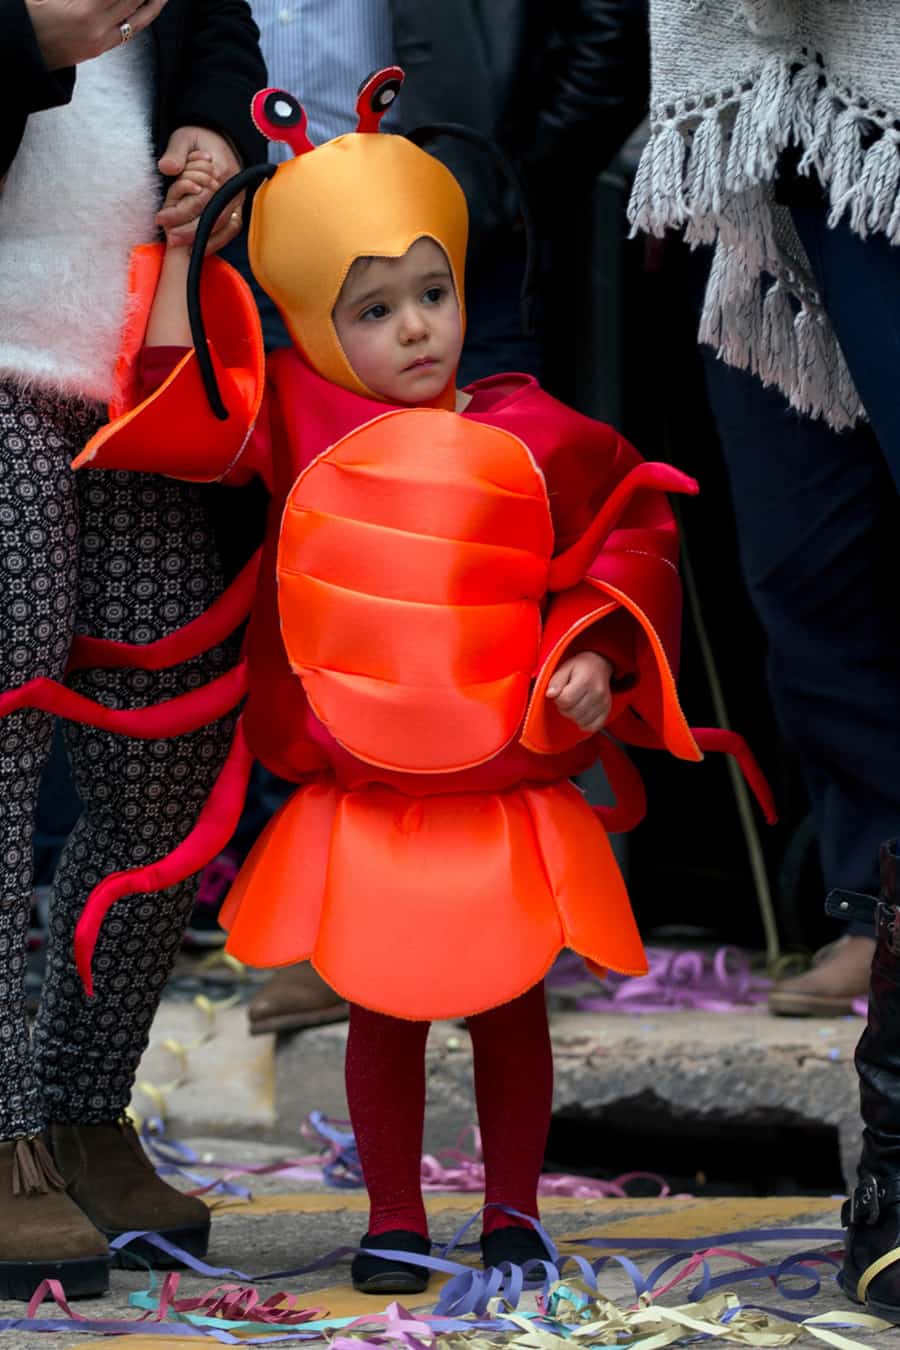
[(364, 194)]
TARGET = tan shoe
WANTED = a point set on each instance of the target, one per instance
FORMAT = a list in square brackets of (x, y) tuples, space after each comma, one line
[(295, 997), (43, 1234), (839, 975), (109, 1176)]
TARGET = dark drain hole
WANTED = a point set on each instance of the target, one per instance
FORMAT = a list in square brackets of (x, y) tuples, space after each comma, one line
[(699, 1155)]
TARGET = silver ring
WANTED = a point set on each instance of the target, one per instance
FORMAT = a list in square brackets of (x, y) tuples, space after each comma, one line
[(235, 217), (127, 31)]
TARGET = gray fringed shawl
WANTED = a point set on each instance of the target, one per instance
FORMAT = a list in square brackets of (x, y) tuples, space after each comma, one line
[(734, 83)]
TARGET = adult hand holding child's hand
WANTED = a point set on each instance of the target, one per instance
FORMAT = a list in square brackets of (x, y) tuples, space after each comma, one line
[(179, 220), (71, 31), (580, 688)]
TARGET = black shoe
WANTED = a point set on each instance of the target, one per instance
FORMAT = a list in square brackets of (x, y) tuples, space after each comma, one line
[(515, 1245), (373, 1275)]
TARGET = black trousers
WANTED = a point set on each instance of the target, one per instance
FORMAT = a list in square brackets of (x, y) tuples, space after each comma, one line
[(818, 515)]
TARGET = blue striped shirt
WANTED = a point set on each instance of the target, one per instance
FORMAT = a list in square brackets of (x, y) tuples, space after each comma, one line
[(320, 51)]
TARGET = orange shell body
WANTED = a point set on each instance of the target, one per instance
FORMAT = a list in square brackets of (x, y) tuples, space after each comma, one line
[(412, 563)]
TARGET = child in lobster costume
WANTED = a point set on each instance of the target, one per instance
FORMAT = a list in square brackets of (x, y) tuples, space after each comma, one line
[(457, 592)]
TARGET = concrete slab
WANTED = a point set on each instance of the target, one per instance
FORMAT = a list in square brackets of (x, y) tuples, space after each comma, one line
[(703, 1071), (206, 1074), (714, 1068)]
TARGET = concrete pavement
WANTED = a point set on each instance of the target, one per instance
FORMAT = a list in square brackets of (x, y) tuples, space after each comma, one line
[(230, 1095), (288, 1225)]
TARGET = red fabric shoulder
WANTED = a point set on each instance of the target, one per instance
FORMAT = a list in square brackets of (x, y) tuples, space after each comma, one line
[(582, 460)]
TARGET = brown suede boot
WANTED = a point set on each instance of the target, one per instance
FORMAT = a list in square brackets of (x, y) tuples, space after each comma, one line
[(293, 998), (43, 1234), (109, 1176)]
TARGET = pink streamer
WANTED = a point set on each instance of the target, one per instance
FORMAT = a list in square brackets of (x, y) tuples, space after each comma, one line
[(459, 1170), (235, 1303), (397, 1327), (230, 1302), (694, 1262), (455, 1169), (217, 877)]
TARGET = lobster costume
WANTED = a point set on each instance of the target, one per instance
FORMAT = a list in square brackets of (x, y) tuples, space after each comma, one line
[(424, 574)]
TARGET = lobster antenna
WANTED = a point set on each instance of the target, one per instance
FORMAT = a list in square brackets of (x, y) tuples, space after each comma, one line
[(226, 194)]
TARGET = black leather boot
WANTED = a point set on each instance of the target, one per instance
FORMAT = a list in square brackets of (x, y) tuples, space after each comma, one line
[(871, 1271)]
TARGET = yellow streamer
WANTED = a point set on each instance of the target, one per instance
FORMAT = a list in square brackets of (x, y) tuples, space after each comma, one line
[(158, 1093), (889, 1259), (222, 958), (649, 1326)]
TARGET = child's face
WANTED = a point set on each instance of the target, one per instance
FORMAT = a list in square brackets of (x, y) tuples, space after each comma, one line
[(398, 322)]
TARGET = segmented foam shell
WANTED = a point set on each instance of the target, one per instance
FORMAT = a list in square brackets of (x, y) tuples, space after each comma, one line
[(412, 561)]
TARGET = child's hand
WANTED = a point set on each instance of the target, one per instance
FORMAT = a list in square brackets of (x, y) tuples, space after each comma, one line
[(198, 181), (580, 689)]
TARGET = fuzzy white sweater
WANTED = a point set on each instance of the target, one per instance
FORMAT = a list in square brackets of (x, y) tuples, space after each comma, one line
[(80, 195)]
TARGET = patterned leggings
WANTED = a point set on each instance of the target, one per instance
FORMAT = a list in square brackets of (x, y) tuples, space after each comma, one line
[(122, 556)]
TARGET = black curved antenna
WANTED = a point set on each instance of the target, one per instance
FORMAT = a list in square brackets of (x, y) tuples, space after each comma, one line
[(421, 135), (211, 212)]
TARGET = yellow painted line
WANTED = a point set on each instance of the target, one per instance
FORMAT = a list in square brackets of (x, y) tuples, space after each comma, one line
[(673, 1216), (692, 1217), (700, 1217), (342, 1300), (357, 1202)]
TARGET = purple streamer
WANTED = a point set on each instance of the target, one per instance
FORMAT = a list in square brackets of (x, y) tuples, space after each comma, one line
[(679, 981), (469, 1292)]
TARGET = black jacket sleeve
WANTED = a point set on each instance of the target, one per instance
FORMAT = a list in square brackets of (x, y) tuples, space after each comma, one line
[(558, 84), (210, 68), (26, 85), (592, 91)]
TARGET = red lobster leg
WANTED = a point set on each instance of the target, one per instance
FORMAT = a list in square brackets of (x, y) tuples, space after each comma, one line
[(720, 741), (174, 717), (626, 782), (631, 796), (210, 628), (215, 826)]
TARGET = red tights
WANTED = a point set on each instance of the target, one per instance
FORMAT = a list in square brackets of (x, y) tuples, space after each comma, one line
[(513, 1088)]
